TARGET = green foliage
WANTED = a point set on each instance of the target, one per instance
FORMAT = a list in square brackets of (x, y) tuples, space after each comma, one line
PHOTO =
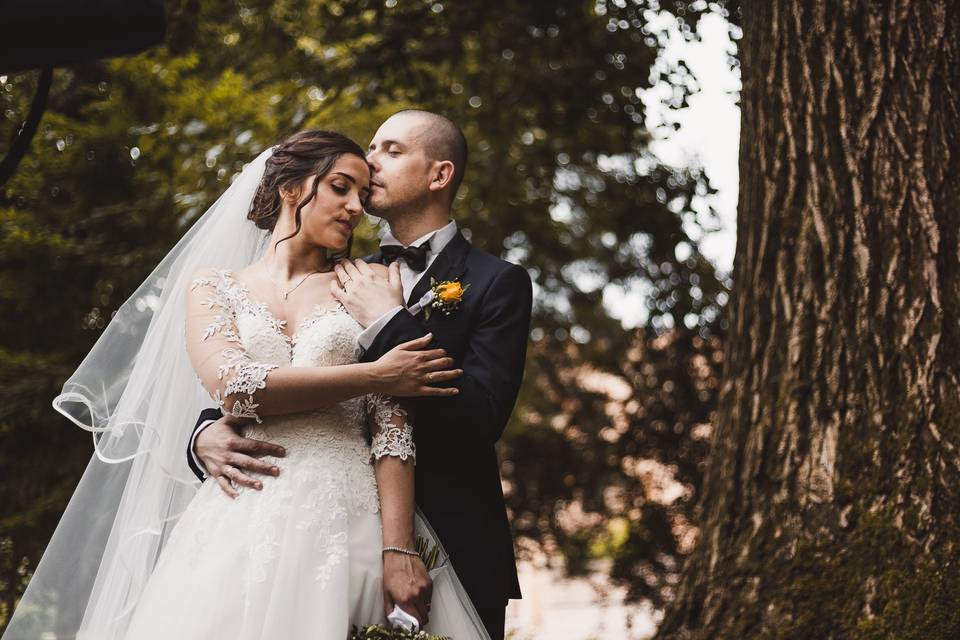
[(132, 150), (429, 553), (608, 457)]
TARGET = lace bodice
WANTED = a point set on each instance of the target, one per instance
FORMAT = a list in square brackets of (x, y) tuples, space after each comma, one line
[(241, 342)]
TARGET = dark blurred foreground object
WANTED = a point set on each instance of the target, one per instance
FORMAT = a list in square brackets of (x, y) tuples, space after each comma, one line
[(43, 34)]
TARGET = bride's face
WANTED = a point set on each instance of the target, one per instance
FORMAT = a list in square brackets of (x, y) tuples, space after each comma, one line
[(329, 219)]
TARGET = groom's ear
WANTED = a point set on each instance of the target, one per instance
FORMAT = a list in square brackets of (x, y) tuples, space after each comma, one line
[(441, 175)]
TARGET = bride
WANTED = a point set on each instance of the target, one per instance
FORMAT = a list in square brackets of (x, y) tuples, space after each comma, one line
[(241, 310)]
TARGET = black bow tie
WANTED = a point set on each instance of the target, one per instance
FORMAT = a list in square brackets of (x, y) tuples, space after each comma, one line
[(415, 257)]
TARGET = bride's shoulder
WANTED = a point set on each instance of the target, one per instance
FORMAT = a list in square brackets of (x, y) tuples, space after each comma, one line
[(207, 277)]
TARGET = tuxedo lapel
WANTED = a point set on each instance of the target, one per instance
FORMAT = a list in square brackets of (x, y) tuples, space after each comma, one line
[(448, 264)]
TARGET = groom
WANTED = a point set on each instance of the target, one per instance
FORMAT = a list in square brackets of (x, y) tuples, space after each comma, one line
[(418, 160)]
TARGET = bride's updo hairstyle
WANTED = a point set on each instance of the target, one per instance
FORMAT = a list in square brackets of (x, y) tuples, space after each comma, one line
[(304, 154)]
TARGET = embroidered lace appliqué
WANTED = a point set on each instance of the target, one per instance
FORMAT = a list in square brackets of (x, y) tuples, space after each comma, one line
[(388, 438), (248, 376)]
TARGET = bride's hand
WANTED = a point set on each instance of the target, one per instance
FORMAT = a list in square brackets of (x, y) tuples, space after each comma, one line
[(407, 584), (409, 369), (367, 291)]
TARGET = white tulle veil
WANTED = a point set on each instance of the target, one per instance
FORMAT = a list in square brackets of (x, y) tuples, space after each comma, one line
[(139, 397)]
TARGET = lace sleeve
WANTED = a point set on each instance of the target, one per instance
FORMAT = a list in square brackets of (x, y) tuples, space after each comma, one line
[(392, 433), (224, 367)]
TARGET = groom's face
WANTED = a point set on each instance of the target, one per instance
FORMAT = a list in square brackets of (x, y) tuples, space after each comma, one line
[(400, 175)]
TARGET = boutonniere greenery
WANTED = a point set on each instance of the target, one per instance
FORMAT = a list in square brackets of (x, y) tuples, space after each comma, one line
[(447, 296)]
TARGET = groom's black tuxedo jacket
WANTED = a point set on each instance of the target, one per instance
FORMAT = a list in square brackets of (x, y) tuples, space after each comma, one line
[(457, 474)]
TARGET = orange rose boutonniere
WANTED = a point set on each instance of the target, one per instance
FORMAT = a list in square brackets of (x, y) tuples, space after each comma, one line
[(447, 296)]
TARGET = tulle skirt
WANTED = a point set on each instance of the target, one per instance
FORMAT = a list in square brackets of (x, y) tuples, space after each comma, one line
[(291, 561)]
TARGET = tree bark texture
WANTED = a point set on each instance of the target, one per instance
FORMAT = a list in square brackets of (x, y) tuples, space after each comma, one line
[(831, 500)]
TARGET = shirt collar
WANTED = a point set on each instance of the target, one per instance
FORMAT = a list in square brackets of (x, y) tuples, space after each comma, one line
[(438, 238)]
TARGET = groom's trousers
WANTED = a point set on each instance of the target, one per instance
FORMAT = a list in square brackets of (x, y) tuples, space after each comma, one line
[(493, 616)]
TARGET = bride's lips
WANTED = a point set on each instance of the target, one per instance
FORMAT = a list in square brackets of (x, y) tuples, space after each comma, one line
[(345, 226)]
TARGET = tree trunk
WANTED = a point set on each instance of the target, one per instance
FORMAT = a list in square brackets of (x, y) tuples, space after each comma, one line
[(830, 506)]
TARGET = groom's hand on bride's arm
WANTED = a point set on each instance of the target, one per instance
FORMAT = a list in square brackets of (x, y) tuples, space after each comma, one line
[(367, 291), (407, 584), (229, 457)]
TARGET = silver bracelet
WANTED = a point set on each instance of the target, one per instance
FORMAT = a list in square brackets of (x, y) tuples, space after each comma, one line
[(409, 552)]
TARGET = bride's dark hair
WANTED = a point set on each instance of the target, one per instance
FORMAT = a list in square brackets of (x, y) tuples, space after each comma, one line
[(304, 154)]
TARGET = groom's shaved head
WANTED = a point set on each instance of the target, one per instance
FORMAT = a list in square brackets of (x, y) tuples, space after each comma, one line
[(442, 140)]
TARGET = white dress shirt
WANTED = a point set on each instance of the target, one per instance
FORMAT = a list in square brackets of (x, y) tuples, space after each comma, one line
[(438, 239), (408, 277)]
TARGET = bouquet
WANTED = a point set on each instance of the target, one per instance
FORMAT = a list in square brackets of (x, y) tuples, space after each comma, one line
[(429, 554), (380, 632)]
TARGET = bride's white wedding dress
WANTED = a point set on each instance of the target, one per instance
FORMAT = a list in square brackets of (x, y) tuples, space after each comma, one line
[(300, 558)]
